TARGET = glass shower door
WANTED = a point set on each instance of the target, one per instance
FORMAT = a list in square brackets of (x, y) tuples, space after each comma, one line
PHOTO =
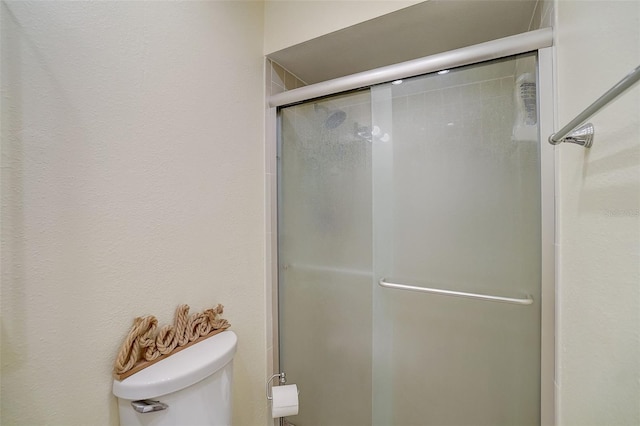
[(324, 256), (456, 209), (391, 202)]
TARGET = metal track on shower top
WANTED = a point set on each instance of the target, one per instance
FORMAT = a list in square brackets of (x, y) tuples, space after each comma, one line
[(500, 48)]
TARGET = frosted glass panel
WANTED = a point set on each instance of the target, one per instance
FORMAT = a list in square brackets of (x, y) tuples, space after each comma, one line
[(324, 254), (456, 204), (434, 182)]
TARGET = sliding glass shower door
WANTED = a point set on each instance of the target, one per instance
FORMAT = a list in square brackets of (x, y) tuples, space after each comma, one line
[(409, 251), (324, 256)]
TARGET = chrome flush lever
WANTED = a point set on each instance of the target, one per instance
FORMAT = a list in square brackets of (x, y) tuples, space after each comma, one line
[(148, 406)]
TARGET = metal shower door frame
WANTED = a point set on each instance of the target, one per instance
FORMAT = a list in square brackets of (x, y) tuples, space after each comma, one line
[(540, 42)]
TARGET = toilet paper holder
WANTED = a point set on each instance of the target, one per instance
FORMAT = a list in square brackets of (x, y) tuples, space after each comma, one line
[(282, 380)]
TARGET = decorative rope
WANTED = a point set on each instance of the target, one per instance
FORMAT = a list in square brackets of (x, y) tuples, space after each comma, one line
[(167, 339), (130, 350), (148, 341), (145, 343), (182, 321)]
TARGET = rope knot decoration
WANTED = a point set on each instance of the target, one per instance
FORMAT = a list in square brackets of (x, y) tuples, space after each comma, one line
[(145, 344)]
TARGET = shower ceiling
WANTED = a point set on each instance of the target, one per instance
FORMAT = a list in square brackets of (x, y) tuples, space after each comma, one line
[(421, 30)]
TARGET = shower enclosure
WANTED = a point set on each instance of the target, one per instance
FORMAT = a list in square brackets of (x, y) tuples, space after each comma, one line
[(409, 250)]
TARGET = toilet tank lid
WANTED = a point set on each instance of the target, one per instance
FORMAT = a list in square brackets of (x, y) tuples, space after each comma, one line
[(179, 370)]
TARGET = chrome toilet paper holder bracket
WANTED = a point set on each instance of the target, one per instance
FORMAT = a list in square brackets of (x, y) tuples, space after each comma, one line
[(281, 381)]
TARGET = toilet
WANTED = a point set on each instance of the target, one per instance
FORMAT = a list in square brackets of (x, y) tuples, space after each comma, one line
[(190, 387)]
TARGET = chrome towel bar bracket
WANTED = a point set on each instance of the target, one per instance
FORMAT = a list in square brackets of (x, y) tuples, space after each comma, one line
[(524, 301), (582, 134)]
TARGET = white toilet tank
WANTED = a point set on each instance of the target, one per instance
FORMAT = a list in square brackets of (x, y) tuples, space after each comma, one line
[(194, 384)]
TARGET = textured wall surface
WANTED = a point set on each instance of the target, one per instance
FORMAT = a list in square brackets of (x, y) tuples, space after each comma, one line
[(289, 22), (132, 181), (599, 218)]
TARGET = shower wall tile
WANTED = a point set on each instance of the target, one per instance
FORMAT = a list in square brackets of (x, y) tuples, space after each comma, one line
[(278, 74), (543, 15), (267, 74), (281, 79), (276, 88), (469, 91), (416, 106), (463, 118), (290, 81), (451, 95), (490, 88), (506, 86), (456, 79), (548, 10)]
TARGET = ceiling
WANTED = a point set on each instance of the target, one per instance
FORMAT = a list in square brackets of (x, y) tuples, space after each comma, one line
[(420, 30)]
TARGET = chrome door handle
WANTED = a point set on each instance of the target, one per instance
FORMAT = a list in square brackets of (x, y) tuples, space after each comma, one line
[(525, 301)]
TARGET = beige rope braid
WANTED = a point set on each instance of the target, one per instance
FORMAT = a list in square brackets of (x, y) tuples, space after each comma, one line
[(213, 315), (167, 341), (182, 323), (148, 341), (199, 326), (130, 350), (145, 342)]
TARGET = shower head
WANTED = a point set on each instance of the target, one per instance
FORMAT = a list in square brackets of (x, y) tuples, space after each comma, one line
[(334, 117)]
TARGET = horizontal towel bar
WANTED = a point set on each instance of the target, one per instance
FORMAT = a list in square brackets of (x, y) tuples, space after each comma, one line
[(574, 132), (527, 301)]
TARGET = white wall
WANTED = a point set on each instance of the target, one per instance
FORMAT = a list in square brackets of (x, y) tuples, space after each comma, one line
[(289, 22), (597, 43), (132, 181)]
